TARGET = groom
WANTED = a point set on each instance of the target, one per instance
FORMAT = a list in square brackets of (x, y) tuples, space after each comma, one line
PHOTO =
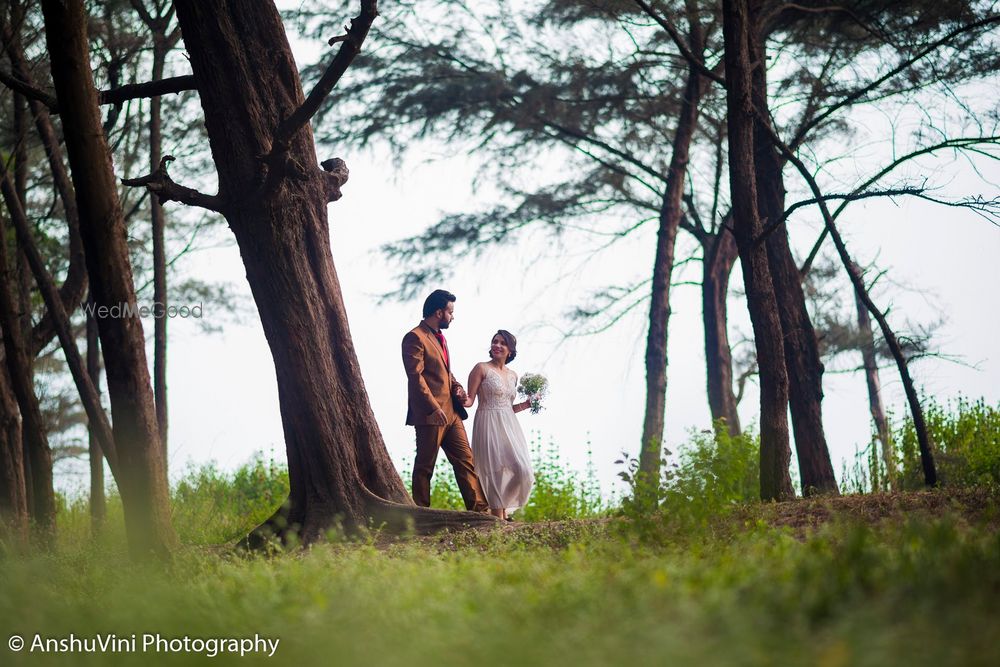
[(435, 405)]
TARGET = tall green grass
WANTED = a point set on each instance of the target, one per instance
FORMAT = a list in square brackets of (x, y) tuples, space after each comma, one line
[(916, 592), (965, 441)]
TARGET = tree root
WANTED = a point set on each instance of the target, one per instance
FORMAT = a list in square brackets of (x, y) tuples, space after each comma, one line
[(378, 514)]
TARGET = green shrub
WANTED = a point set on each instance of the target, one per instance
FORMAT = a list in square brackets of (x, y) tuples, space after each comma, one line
[(965, 441), (965, 437), (212, 506), (710, 473)]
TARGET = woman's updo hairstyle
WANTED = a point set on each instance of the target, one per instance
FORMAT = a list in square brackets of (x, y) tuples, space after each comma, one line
[(510, 341)]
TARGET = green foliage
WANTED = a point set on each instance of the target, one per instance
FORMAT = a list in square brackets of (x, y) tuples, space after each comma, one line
[(560, 492), (965, 440), (711, 473), (576, 593), (965, 436)]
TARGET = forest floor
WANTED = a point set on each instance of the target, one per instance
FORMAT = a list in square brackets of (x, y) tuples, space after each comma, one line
[(886, 579)]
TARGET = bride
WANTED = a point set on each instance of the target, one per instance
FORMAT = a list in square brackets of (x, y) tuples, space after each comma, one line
[(498, 445)]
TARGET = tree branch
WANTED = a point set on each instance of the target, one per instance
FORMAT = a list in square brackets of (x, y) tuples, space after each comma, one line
[(174, 84), (118, 95), (957, 144), (853, 196), (903, 66), (675, 35), (29, 91), (350, 47), (161, 185)]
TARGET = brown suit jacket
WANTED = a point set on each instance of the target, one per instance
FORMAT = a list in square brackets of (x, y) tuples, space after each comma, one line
[(430, 383)]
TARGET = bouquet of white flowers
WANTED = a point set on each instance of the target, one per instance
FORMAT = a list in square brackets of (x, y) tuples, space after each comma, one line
[(533, 387)]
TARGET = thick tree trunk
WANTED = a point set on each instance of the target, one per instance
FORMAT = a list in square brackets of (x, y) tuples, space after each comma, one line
[(13, 493), (38, 456), (142, 480), (663, 265), (98, 504), (159, 255), (775, 482), (875, 390), (339, 469), (805, 368), (719, 257)]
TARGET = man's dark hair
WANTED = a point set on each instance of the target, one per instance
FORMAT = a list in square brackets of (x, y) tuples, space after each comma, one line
[(438, 300)]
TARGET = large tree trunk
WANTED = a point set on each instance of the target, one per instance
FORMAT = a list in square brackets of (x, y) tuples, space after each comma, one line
[(719, 257), (663, 265), (98, 505), (142, 482), (38, 456), (775, 482), (870, 361), (805, 368), (339, 469), (13, 493)]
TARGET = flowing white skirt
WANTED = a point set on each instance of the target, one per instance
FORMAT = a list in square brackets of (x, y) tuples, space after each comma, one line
[(501, 457)]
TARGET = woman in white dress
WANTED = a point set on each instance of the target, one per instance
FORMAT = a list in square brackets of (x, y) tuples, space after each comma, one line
[(498, 445)]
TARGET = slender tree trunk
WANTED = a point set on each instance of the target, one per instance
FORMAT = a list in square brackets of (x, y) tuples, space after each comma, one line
[(801, 349), (75, 285), (775, 482), (142, 481), (38, 454), (61, 322), (13, 494), (875, 389), (339, 469), (857, 280), (98, 505), (659, 308), (720, 255), (159, 254)]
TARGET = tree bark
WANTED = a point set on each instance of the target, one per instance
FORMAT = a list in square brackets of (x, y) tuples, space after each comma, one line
[(719, 257), (801, 349), (775, 482), (37, 453), (73, 289), (98, 504), (339, 469), (13, 493), (160, 49), (857, 280), (659, 308), (61, 322), (142, 482), (875, 390)]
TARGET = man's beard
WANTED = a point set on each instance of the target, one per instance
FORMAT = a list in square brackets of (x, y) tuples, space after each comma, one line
[(443, 324)]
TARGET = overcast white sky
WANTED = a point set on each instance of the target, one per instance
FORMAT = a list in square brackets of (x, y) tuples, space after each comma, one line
[(223, 398)]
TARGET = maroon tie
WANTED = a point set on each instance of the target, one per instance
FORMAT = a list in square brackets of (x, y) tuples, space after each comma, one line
[(444, 347)]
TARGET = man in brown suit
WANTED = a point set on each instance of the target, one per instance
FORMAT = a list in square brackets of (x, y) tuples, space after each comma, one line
[(435, 405)]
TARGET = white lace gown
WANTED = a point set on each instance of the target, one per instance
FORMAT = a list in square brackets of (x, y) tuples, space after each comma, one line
[(498, 445)]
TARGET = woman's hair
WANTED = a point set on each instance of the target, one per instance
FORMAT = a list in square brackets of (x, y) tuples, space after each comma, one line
[(511, 343)]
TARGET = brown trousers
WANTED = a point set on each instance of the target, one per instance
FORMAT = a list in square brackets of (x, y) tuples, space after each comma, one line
[(452, 439)]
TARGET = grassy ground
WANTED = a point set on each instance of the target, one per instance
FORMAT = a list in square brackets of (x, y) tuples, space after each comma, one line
[(880, 579)]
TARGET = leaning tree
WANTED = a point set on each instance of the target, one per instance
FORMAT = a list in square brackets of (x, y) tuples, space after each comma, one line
[(274, 195)]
